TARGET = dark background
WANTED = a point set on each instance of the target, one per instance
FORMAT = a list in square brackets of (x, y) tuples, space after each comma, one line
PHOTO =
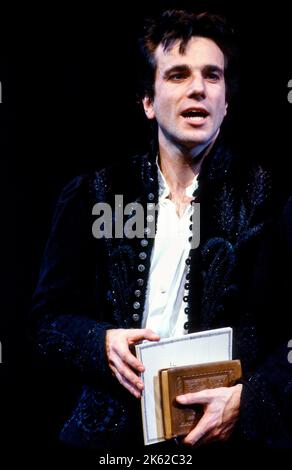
[(69, 105)]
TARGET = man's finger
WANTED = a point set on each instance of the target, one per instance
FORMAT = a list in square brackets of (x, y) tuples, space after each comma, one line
[(199, 432), (120, 349), (128, 358), (143, 333), (128, 385), (204, 396), (128, 373)]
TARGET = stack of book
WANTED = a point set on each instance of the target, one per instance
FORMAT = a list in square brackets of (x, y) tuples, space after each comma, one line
[(175, 366)]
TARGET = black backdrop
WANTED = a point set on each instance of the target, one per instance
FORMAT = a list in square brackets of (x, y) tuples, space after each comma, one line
[(69, 105)]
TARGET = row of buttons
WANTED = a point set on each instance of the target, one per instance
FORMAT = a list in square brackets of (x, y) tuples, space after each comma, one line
[(187, 284), (141, 267)]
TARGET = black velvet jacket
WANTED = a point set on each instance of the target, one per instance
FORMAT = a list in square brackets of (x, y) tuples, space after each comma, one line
[(89, 285)]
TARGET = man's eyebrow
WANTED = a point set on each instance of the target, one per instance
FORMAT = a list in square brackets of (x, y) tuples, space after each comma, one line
[(176, 68), (186, 68), (213, 68)]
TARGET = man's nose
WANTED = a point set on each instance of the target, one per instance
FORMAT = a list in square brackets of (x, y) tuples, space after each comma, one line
[(196, 88)]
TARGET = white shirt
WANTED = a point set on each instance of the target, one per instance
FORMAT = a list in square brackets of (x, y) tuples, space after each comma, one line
[(164, 305)]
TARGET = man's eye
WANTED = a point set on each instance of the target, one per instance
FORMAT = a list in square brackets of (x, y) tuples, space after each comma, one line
[(175, 77), (213, 76)]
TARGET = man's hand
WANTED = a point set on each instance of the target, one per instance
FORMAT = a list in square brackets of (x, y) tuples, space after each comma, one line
[(122, 362), (221, 410)]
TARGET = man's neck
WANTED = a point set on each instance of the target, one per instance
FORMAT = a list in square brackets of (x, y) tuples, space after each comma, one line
[(180, 166)]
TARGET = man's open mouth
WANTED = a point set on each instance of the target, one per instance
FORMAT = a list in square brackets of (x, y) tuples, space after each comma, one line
[(195, 115)]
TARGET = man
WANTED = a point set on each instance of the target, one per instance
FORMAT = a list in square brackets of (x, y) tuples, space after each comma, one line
[(97, 297)]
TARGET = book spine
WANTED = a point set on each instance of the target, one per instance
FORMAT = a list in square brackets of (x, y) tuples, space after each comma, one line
[(166, 405)]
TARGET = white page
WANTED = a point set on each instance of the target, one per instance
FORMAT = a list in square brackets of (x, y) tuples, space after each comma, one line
[(195, 348)]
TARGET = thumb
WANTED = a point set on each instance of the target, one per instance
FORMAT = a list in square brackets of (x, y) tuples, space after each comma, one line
[(151, 335), (142, 333)]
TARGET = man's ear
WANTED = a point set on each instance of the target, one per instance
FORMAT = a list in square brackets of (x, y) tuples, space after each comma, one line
[(226, 108), (148, 107)]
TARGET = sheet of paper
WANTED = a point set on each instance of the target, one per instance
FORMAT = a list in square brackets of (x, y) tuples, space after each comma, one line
[(195, 348)]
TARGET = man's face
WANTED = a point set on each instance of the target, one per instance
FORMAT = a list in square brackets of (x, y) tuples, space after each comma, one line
[(189, 94)]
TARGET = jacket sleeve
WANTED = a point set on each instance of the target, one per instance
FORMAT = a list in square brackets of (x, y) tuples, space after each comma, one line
[(266, 401), (68, 324)]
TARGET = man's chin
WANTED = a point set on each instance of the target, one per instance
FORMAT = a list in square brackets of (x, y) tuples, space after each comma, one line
[(196, 143)]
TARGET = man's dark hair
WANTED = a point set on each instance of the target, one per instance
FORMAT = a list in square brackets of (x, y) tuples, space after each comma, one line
[(181, 25)]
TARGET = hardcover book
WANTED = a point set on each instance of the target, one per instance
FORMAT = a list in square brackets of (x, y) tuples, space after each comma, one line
[(180, 419)]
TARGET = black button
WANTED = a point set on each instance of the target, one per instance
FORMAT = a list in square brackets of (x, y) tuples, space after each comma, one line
[(136, 317), (188, 277), (186, 298), (141, 268), (190, 239), (144, 242), (188, 261), (187, 310), (136, 305), (150, 196), (140, 282), (186, 325), (187, 285), (137, 293), (142, 255), (191, 227)]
